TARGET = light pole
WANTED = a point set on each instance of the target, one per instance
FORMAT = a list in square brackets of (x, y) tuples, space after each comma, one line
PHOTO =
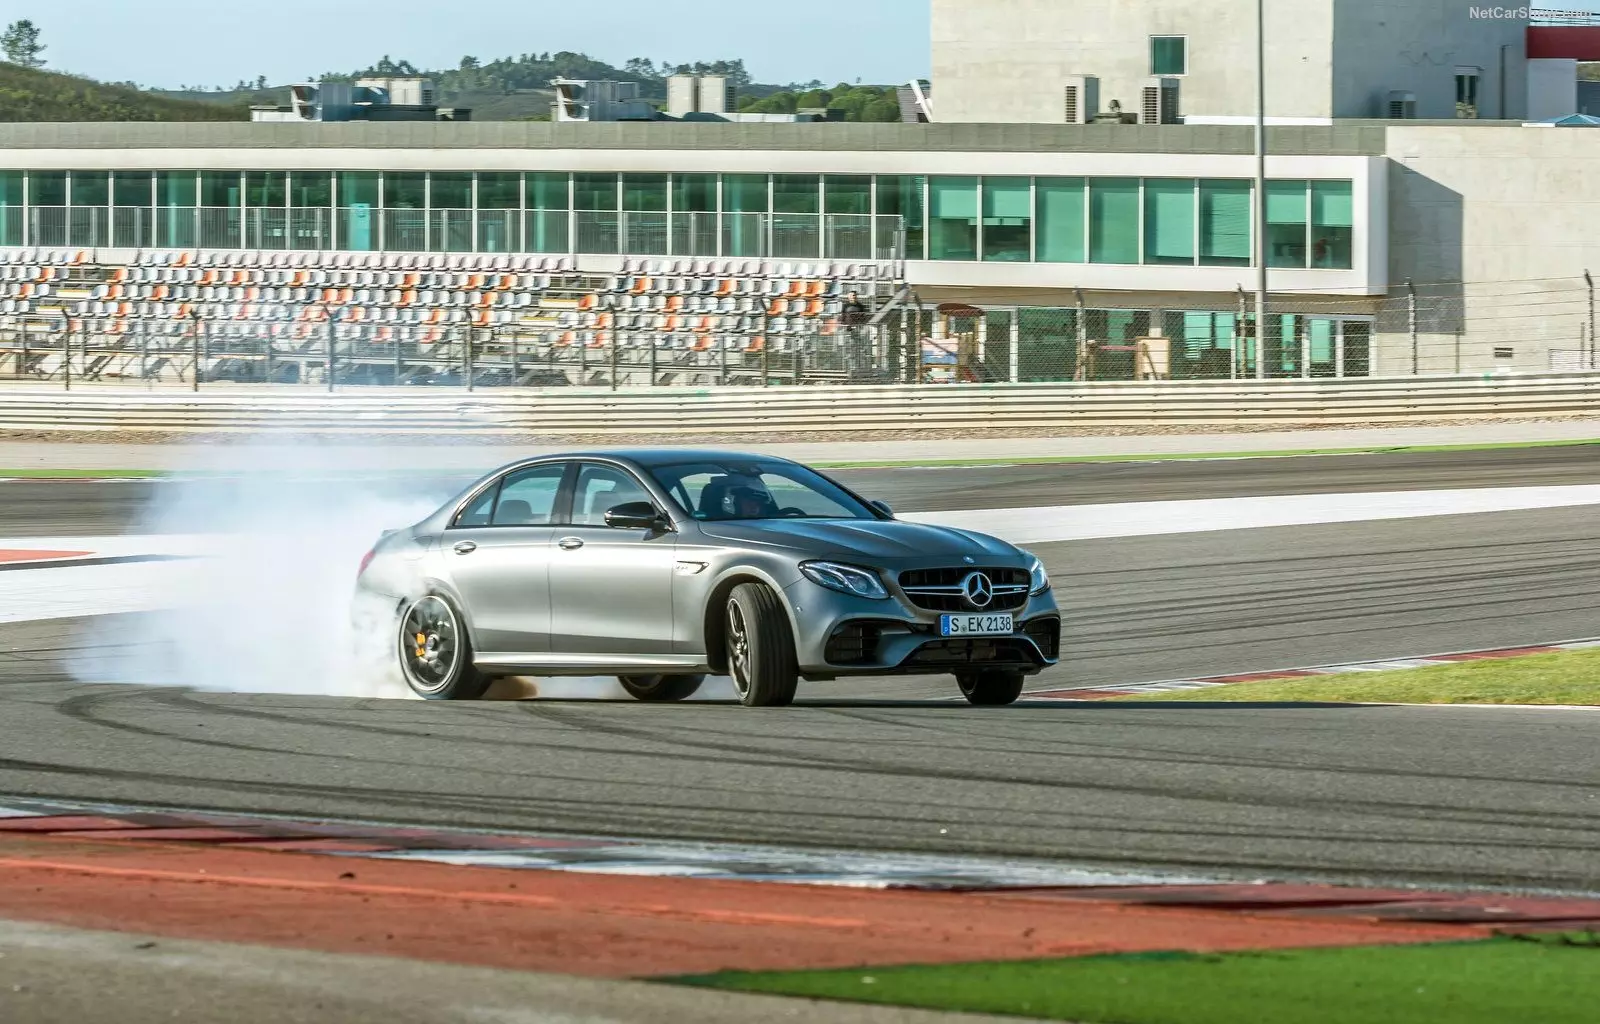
[(1261, 189)]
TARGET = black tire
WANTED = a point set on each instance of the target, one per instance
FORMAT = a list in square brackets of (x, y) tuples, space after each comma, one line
[(435, 652), (761, 656), (660, 689), (990, 688)]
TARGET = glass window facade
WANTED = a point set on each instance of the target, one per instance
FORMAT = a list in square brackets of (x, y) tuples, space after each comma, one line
[(1169, 221), (1225, 223), (953, 219), (1010, 218), (1286, 223), (1059, 233), (1169, 55), (1114, 220), (1007, 219)]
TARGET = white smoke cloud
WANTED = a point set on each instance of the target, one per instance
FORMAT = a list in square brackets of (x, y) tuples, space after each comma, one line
[(268, 609)]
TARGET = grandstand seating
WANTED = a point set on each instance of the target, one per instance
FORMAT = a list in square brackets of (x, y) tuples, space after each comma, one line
[(672, 307)]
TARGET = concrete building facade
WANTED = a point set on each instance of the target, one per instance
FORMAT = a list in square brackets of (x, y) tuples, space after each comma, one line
[(1326, 59)]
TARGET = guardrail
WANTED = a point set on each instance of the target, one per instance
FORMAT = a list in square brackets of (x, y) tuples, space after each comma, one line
[(801, 410)]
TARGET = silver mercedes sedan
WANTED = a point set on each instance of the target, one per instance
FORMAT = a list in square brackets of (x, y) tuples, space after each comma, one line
[(661, 567)]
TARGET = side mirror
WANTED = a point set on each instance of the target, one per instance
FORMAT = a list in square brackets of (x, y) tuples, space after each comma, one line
[(634, 515), (882, 507)]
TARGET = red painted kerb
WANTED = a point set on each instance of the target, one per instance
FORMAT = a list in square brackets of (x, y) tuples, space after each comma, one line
[(1572, 42)]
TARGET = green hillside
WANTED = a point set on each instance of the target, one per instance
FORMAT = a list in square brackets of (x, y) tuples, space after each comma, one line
[(27, 94)]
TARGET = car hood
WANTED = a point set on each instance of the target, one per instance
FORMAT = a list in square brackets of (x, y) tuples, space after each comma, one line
[(861, 539)]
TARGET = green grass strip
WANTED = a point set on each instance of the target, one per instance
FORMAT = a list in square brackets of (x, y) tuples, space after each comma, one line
[(1566, 677), (1484, 982)]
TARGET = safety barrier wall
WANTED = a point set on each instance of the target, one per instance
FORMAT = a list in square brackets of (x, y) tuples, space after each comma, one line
[(798, 410)]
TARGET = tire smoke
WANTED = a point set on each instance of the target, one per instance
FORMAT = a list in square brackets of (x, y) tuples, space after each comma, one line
[(268, 610)]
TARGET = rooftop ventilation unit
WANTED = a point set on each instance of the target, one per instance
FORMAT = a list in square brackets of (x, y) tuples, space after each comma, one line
[(1159, 101), (1081, 99), (1401, 106)]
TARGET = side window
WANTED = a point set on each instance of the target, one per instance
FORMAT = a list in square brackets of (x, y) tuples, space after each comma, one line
[(528, 496), (600, 488), (478, 510)]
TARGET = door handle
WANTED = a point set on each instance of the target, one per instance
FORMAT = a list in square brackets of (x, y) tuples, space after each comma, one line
[(569, 543), (466, 547)]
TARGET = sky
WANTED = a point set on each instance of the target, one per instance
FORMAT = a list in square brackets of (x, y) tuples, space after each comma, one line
[(172, 43)]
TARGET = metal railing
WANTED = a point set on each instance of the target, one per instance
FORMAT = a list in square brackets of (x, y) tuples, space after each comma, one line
[(799, 411)]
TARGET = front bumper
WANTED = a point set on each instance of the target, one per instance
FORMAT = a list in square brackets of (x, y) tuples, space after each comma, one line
[(841, 634)]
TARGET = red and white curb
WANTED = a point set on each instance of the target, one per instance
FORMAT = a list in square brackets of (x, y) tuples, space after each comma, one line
[(1394, 664), (732, 862)]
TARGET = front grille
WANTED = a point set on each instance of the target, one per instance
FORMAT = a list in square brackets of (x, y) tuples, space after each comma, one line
[(852, 643), (1046, 632), (940, 590)]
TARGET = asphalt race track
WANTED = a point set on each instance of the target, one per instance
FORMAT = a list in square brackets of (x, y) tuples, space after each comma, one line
[(1505, 797)]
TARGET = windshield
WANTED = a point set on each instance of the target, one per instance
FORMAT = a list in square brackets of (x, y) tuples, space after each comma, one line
[(718, 491)]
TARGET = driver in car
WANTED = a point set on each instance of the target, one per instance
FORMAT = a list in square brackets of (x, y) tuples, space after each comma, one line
[(749, 499)]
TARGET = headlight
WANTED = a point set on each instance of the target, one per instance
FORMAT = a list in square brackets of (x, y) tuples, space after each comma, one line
[(847, 579), (1038, 579)]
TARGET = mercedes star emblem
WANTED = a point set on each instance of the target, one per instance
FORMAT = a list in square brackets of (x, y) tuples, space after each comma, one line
[(978, 589)]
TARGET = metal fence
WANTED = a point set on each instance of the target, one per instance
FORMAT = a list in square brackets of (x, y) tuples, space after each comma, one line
[(1520, 328)]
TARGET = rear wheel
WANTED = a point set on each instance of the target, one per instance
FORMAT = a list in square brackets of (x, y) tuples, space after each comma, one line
[(989, 688), (761, 656), (661, 688), (435, 655)]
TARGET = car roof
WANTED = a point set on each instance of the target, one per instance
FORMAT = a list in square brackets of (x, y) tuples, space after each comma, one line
[(661, 456)]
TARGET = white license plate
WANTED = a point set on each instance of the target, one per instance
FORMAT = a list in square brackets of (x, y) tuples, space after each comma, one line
[(975, 625)]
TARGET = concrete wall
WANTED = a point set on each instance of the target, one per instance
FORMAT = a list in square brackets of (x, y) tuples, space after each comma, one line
[(1008, 60), (1495, 226), (1416, 46), (1552, 88)]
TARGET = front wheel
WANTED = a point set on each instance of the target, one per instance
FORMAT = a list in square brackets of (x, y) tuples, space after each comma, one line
[(990, 688), (658, 689), (761, 657), (435, 655)]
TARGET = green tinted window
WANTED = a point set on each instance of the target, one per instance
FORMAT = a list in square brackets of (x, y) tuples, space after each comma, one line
[(1007, 219), (694, 193), (644, 193), (1225, 223), (1286, 223), (594, 191), (91, 188), (848, 193), (1169, 55), (174, 188), (47, 188), (795, 193), (407, 191), (131, 188), (1332, 225), (311, 188), (548, 191), (953, 218), (504, 191), (1114, 220), (1059, 232), (358, 188), (450, 191), (744, 193), (901, 197), (266, 188), (11, 188), (221, 188), (1168, 220)]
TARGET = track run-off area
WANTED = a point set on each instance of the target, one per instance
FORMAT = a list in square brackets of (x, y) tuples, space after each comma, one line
[(1164, 570)]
